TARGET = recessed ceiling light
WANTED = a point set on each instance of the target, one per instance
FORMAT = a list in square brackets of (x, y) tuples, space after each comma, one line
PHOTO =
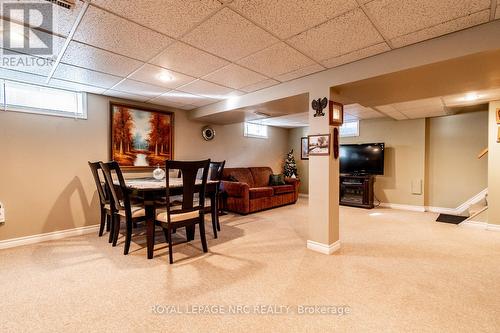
[(165, 77)]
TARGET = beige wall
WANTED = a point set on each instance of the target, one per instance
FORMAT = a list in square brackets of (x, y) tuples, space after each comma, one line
[(294, 137), (45, 182), (404, 157), (454, 174), (493, 167)]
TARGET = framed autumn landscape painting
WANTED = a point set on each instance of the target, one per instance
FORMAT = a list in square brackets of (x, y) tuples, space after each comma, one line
[(141, 138)]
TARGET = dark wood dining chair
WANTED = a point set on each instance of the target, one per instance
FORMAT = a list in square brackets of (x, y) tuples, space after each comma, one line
[(191, 211), (104, 199), (120, 199), (215, 174)]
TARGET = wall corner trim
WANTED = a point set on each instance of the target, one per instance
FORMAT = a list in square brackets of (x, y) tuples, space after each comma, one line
[(480, 225), (323, 248), (14, 242)]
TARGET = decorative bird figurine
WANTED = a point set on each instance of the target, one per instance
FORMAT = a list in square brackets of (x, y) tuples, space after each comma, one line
[(319, 105)]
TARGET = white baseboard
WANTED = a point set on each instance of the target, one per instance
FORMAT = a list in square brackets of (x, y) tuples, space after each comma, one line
[(480, 225), (323, 248), (8, 243), (303, 195), (403, 207)]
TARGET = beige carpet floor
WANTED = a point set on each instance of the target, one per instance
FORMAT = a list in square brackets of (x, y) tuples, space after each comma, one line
[(396, 272)]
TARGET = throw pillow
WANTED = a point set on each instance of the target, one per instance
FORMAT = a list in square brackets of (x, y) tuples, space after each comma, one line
[(231, 178), (276, 180)]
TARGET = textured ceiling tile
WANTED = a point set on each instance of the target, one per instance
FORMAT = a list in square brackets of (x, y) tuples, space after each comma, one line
[(187, 59), (346, 33), (171, 17), (260, 85), (85, 76), (25, 63), (396, 18), (123, 95), (314, 68), (234, 76), (442, 29), (207, 89), (9, 74), (181, 98), (113, 33), (161, 77), (356, 55), (229, 35), (288, 18), (75, 86), (275, 60), (140, 88), (82, 55)]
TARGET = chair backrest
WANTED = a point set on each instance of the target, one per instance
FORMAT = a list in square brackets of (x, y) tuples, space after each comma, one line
[(190, 184), (99, 182), (119, 195), (216, 170)]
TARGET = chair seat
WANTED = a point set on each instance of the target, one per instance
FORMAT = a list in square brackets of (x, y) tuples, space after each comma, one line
[(161, 215), (137, 211), (261, 192), (282, 189)]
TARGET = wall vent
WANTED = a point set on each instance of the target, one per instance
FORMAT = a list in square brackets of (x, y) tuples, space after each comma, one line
[(68, 4)]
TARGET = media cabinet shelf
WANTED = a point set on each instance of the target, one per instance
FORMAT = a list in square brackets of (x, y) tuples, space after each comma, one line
[(357, 191)]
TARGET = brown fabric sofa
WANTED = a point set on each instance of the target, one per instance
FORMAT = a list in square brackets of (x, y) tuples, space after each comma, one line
[(251, 192)]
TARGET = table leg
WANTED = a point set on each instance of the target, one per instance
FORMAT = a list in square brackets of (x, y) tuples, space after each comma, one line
[(149, 206)]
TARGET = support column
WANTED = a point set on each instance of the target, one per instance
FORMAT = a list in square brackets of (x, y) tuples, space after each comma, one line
[(493, 167), (323, 185)]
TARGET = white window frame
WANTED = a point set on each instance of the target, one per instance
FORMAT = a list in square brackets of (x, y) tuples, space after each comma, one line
[(81, 101), (355, 134), (251, 135)]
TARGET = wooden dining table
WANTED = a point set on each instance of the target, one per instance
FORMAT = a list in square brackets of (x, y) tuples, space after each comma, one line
[(151, 189)]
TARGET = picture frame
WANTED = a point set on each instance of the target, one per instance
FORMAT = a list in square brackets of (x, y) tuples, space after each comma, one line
[(498, 116), (304, 148), (141, 138), (336, 114), (319, 145)]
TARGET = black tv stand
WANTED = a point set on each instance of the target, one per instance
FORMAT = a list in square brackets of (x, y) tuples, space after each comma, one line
[(357, 191)]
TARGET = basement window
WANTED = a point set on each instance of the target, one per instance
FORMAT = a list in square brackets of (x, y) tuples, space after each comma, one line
[(31, 98), (349, 129), (256, 130)]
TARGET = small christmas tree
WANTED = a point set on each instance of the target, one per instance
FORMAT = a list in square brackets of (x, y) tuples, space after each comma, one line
[(290, 167)]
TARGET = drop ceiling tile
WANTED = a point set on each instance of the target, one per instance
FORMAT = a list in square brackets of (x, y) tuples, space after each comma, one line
[(188, 107), (234, 76), (308, 70), (229, 35), (63, 19), (171, 17), (288, 18), (181, 98), (370, 114), (356, 55), (346, 33), (9, 74), (86, 56), (206, 89), (396, 18), (472, 97), (260, 85), (426, 103), (275, 60), (424, 114), (140, 88), (390, 111), (128, 96), (442, 29), (85, 76), (189, 60), (161, 77), (25, 63), (115, 34), (75, 86)]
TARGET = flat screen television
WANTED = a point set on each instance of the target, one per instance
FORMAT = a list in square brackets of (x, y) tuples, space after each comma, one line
[(362, 159)]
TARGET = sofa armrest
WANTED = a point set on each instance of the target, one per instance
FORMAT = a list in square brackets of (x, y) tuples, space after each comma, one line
[(235, 189), (296, 183)]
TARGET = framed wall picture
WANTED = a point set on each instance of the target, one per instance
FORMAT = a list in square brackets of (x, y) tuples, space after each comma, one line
[(336, 114), (304, 149), (141, 138), (498, 116), (319, 145)]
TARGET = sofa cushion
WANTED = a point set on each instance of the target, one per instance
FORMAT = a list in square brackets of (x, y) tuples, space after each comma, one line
[(281, 189), (261, 192), (243, 175), (261, 176)]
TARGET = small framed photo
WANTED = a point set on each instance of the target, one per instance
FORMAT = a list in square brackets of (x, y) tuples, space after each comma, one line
[(304, 149), (319, 145), (498, 116), (336, 114)]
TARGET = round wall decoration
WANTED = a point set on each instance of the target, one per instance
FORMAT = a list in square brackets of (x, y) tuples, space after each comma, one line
[(208, 133)]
